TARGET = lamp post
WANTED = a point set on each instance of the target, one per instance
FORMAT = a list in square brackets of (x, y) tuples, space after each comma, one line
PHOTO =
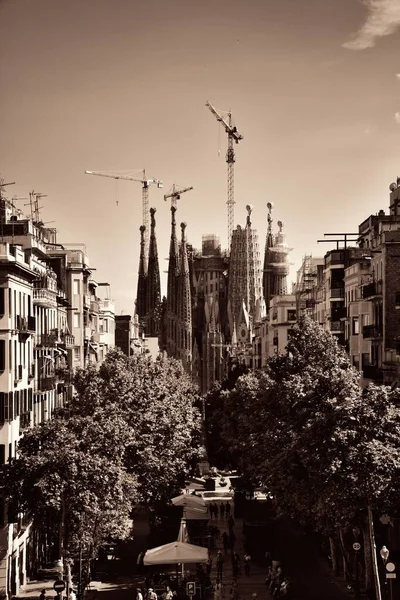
[(384, 552), (356, 548)]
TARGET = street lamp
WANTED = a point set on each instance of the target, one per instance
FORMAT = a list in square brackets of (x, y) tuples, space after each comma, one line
[(356, 548), (384, 552)]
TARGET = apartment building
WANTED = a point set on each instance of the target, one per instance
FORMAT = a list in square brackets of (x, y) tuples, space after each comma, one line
[(282, 317), (42, 287)]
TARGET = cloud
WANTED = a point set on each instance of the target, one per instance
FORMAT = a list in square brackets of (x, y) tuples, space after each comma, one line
[(383, 19), (397, 117)]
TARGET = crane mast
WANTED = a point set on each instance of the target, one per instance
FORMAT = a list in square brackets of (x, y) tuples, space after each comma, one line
[(233, 136), (145, 195)]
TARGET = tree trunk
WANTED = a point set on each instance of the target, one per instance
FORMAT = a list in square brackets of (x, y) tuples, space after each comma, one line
[(373, 552), (367, 557), (332, 546), (347, 570)]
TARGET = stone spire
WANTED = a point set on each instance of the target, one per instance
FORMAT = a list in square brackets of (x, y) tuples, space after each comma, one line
[(153, 295), (276, 262), (267, 274), (172, 289), (142, 280), (185, 304)]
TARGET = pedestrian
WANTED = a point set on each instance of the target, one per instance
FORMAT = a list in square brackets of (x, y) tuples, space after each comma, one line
[(209, 565), (221, 510), (247, 564), (220, 565), (268, 577), (225, 541), (283, 590), (233, 592), (167, 595), (139, 595), (231, 522), (235, 565), (227, 509), (277, 579), (42, 595), (151, 595)]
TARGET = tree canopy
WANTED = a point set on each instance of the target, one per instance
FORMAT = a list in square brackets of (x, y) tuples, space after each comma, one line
[(305, 429), (129, 436)]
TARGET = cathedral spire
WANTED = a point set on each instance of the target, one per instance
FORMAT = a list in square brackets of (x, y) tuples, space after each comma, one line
[(142, 280), (185, 304), (267, 274), (153, 295), (172, 289)]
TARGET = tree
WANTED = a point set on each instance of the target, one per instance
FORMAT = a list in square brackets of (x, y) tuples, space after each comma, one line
[(71, 475), (303, 428), (159, 404)]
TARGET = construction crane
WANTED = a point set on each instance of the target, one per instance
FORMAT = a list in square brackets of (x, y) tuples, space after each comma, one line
[(146, 183), (233, 136), (176, 194)]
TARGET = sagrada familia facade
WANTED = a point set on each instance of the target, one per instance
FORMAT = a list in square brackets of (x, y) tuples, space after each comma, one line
[(214, 298)]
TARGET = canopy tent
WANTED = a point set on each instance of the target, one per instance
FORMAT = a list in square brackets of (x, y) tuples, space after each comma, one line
[(194, 507), (175, 553), (189, 500)]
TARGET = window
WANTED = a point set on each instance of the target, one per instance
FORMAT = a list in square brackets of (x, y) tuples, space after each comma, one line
[(106, 325), (291, 315), (2, 300), (356, 326), (77, 353), (2, 355), (77, 319), (76, 287)]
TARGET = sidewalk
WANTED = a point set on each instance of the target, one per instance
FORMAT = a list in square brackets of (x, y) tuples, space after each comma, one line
[(310, 579)]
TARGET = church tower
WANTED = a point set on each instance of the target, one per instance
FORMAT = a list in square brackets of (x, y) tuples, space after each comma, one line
[(245, 296), (153, 295), (276, 263), (172, 290), (184, 312), (142, 280)]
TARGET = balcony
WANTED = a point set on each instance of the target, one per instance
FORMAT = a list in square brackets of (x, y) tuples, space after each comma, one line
[(32, 324), (67, 340), (337, 326), (95, 337), (45, 384), (64, 375), (87, 333), (94, 307), (371, 332), (24, 421), (86, 300), (45, 298), (47, 339), (337, 293), (372, 372), (372, 290), (338, 313)]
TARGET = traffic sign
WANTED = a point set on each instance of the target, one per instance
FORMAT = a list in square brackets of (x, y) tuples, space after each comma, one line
[(59, 585), (356, 546), (190, 588), (390, 575), (390, 567)]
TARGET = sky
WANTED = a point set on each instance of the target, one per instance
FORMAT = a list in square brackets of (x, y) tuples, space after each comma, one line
[(121, 85)]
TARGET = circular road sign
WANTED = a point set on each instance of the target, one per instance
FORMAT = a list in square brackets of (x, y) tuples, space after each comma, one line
[(390, 567), (59, 585), (356, 546)]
